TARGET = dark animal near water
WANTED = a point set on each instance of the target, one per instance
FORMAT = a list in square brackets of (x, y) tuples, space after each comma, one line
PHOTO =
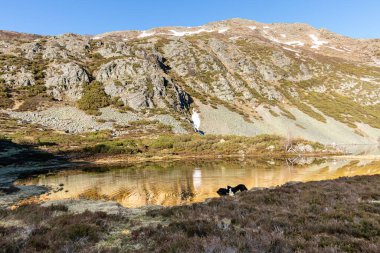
[(238, 188), (223, 191)]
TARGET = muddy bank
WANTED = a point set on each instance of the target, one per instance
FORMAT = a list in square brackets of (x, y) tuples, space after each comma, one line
[(21, 161), (7, 200)]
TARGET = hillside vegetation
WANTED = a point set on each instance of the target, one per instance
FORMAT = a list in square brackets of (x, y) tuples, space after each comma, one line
[(241, 65)]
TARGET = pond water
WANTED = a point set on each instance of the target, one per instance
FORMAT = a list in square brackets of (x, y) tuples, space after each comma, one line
[(175, 183)]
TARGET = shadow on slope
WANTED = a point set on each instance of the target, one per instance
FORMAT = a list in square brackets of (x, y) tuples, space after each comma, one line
[(23, 160)]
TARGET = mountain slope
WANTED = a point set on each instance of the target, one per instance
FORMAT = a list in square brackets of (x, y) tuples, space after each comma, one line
[(245, 78)]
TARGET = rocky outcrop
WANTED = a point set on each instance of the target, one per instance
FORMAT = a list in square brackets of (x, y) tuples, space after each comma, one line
[(142, 83), (66, 81), (18, 77)]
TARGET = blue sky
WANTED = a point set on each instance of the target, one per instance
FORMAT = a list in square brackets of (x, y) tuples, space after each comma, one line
[(360, 19)]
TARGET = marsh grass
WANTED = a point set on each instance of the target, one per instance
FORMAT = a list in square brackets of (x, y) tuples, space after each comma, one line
[(189, 144)]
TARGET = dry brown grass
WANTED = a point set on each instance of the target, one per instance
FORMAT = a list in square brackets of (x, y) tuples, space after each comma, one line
[(52, 229), (328, 216), (341, 215)]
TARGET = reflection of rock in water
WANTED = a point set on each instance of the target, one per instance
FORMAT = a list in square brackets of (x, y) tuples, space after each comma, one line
[(184, 182), (300, 160), (358, 149)]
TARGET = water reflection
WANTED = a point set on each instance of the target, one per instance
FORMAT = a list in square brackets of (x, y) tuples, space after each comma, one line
[(185, 182)]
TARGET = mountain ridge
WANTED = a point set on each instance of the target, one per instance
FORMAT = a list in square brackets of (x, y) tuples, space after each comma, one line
[(208, 23), (306, 80)]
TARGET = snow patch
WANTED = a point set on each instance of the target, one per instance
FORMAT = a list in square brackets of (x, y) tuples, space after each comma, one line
[(96, 38), (348, 50), (316, 42), (366, 79), (376, 61), (252, 27), (289, 49), (146, 34), (294, 43), (273, 39), (283, 35), (266, 27), (336, 49), (195, 117), (234, 37), (223, 30), (184, 33)]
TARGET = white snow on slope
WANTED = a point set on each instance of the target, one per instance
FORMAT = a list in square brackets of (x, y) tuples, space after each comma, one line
[(294, 43), (223, 30), (252, 27), (348, 50), (234, 38), (336, 49), (367, 79), (196, 120), (146, 34), (184, 33), (289, 49), (273, 39), (316, 42), (283, 35)]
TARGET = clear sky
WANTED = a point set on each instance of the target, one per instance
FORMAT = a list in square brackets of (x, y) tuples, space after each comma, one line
[(354, 18)]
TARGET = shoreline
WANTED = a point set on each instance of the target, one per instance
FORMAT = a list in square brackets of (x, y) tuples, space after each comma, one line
[(97, 160)]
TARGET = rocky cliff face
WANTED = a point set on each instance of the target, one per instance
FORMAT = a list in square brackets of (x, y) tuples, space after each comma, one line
[(248, 67)]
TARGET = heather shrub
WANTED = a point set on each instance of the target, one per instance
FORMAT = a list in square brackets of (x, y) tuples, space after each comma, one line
[(94, 97)]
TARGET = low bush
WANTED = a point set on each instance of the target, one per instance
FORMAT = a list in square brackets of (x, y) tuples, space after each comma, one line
[(115, 147), (162, 142), (53, 229), (5, 97), (196, 144), (94, 97)]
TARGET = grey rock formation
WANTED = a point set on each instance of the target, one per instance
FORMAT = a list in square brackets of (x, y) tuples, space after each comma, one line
[(142, 83), (17, 77), (66, 80)]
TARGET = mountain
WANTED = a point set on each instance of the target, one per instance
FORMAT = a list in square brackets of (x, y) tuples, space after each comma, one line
[(244, 77)]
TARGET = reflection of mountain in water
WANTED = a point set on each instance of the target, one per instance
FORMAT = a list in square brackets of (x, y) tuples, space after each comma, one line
[(359, 149), (185, 182)]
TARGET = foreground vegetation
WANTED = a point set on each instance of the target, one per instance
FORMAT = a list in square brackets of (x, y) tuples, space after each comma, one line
[(341, 215)]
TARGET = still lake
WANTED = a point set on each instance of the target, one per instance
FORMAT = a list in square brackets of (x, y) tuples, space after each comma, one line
[(183, 182)]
